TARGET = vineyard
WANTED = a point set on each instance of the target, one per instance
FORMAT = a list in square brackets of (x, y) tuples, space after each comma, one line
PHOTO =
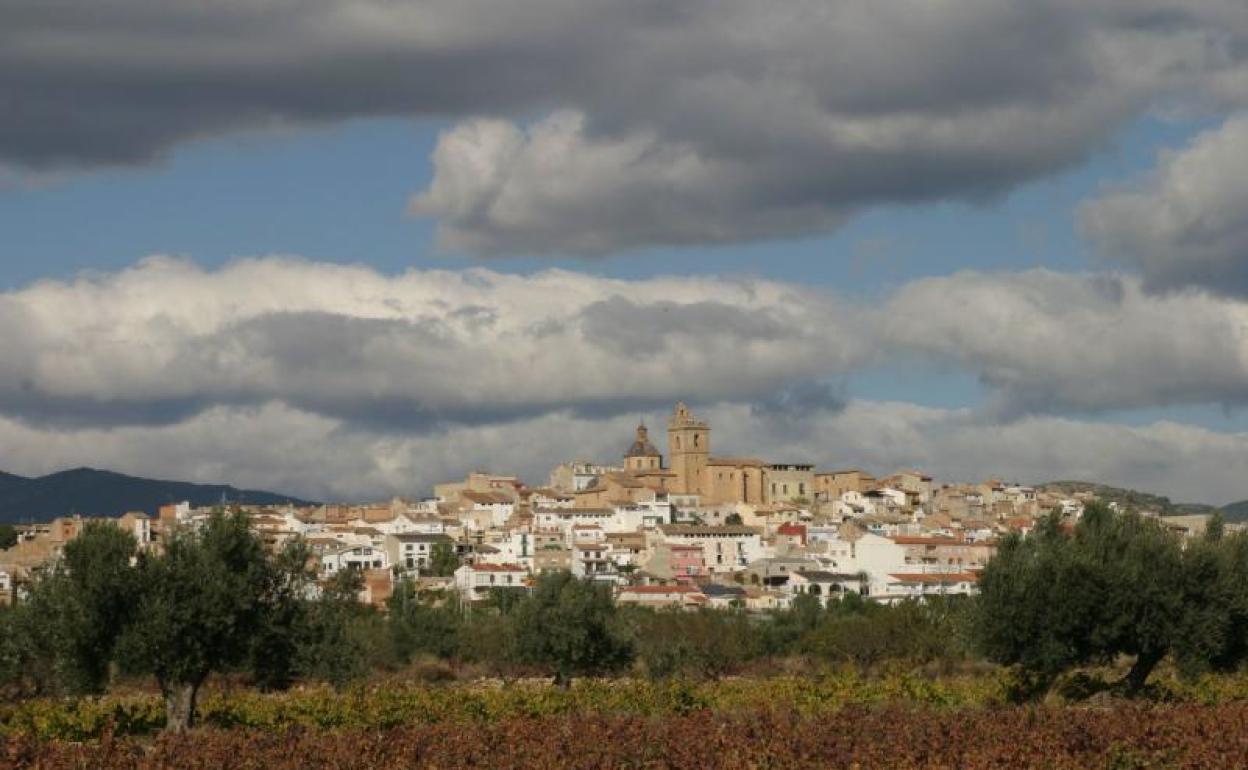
[(839, 718), (390, 704), (897, 737)]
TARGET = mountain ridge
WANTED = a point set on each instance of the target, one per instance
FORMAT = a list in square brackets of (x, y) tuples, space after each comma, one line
[(95, 492)]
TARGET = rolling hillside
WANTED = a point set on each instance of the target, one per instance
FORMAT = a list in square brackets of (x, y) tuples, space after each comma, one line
[(93, 492), (1235, 512)]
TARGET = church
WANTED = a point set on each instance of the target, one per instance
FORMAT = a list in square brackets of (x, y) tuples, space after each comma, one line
[(694, 473)]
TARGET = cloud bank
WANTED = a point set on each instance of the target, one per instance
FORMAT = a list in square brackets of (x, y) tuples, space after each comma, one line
[(589, 126), (165, 340), (305, 454), (331, 381)]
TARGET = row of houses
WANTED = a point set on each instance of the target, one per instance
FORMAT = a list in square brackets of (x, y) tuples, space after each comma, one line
[(699, 530)]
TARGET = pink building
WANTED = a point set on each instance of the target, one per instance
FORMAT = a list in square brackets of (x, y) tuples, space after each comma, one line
[(686, 562)]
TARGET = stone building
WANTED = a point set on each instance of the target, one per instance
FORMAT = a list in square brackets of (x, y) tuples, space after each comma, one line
[(689, 445)]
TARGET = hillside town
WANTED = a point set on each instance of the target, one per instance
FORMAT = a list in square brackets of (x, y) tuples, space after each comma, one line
[(687, 530)]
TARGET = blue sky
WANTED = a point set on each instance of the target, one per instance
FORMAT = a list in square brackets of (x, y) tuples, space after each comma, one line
[(339, 194), (931, 253)]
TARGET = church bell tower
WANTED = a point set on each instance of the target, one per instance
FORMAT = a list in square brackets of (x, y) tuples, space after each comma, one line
[(689, 447)]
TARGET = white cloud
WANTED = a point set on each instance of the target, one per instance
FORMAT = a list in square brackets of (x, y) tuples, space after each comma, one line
[(166, 339), (1045, 341), (1186, 223), (330, 381), (498, 189), (1185, 462), (275, 447)]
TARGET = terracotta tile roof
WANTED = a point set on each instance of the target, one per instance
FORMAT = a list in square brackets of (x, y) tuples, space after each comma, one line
[(935, 577), (657, 590), (925, 540), (499, 568)]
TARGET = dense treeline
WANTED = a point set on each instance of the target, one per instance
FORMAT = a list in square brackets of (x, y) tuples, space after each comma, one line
[(213, 602)]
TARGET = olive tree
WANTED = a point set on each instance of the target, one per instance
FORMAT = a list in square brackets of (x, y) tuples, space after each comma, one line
[(1114, 584), (200, 605), (570, 626)]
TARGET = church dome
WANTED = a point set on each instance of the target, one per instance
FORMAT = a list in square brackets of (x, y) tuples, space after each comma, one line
[(641, 446)]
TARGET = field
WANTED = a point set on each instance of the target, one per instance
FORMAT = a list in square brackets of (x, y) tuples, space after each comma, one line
[(1174, 736), (901, 719)]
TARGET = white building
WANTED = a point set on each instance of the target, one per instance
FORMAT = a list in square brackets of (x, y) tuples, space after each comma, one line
[(412, 551), (593, 561), (824, 585), (724, 549), (360, 557), (475, 581), (919, 585), (563, 519)]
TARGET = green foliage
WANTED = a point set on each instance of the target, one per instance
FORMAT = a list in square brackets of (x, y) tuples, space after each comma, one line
[(782, 634), (8, 536), (569, 626), (866, 634), (443, 560), (418, 627), (30, 642), (99, 588), (1118, 584), (488, 640), (706, 644), (63, 635), (333, 646), (734, 520), (1212, 632), (201, 604), (285, 627)]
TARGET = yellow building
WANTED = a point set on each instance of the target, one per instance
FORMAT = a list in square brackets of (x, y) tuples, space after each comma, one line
[(643, 455), (689, 445)]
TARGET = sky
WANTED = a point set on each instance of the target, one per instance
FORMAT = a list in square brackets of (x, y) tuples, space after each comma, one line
[(345, 250)]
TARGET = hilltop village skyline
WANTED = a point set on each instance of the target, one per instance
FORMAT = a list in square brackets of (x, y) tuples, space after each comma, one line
[(690, 529)]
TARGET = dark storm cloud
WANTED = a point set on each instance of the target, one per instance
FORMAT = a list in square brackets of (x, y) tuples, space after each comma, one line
[(666, 123), (647, 329)]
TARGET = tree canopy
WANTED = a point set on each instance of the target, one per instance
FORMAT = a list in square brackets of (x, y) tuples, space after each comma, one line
[(570, 625), (1114, 584), (201, 604), (8, 536)]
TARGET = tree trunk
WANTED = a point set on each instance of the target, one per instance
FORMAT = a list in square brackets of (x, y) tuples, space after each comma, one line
[(1144, 664), (180, 706)]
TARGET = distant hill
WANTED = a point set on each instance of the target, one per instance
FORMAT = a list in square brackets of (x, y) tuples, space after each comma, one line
[(1130, 498), (93, 492), (8, 480), (1235, 512)]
